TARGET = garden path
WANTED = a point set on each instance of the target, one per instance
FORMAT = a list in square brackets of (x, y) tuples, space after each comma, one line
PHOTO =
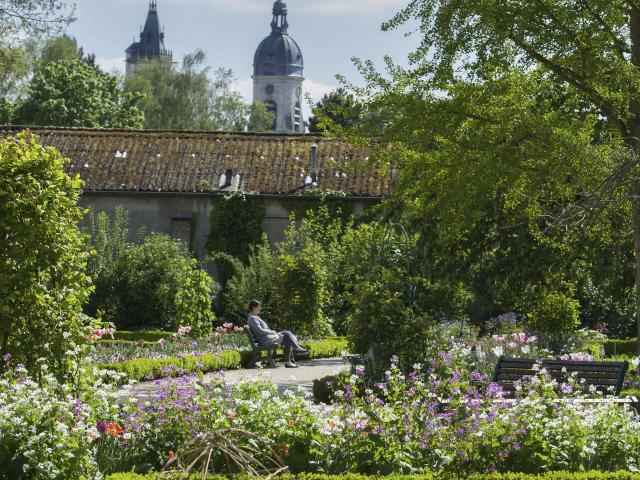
[(284, 378)]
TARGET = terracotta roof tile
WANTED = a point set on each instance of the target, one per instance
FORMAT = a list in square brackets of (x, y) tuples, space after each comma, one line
[(148, 161)]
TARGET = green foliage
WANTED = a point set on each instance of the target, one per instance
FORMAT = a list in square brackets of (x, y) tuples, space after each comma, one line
[(615, 347), (236, 226), (155, 284), (146, 335), (145, 369), (592, 475), (300, 296), (188, 99), (62, 49), (74, 94), (43, 284), (252, 281), (14, 67), (261, 118), (554, 313), (337, 108)]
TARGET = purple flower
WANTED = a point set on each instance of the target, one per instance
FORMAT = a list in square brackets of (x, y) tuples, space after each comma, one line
[(394, 360), (566, 388), (102, 426), (6, 357), (360, 370)]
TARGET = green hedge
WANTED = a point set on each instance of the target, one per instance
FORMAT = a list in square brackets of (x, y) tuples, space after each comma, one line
[(147, 336), (613, 347), (493, 476), (144, 368)]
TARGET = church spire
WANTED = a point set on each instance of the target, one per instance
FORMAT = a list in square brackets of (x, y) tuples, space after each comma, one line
[(279, 23), (153, 5)]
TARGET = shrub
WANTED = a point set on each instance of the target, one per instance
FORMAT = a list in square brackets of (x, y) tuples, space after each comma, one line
[(615, 347), (145, 369), (555, 312), (300, 295), (43, 284), (156, 285), (382, 325), (252, 281)]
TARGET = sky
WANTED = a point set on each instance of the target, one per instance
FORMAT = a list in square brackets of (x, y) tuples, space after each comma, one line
[(329, 32)]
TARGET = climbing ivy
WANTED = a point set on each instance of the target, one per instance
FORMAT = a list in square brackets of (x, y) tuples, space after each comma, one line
[(236, 225), (336, 202)]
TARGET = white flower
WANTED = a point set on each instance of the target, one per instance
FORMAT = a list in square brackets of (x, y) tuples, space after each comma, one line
[(265, 394), (497, 351)]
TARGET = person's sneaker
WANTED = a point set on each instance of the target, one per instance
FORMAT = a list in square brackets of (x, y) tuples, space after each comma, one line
[(291, 365), (302, 350)]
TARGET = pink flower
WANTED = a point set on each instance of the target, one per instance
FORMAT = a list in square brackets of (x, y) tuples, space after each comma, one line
[(162, 341)]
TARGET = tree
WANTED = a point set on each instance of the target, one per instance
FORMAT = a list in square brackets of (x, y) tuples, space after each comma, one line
[(43, 284), (33, 16), (14, 67), (490, 175), (338, 108), (588, 48), (188, 99), (73, 94), (63, 49)]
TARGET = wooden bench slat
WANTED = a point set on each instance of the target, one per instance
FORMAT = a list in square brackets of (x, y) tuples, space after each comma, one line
[(558, 374), (599, 374), (591, 381), (560, 366)]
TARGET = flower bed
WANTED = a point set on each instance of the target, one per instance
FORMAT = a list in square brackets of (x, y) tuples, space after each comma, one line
[(110, 351), (430, 421), (593, 475)]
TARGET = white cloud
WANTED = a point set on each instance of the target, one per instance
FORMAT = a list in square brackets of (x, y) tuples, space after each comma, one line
[(317, 6), (245, 87), (111, 65), (316, 89)]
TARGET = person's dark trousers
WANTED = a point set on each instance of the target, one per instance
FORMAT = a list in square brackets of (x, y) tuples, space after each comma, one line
[(289, 342)]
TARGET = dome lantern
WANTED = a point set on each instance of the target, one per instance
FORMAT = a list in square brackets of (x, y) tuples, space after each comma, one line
[(279, 23)]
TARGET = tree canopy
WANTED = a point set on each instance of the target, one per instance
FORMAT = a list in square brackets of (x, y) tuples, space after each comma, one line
[(188, 99), (74, 94)]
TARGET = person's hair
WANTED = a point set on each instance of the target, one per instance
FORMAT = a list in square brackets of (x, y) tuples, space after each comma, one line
[(253, 304)]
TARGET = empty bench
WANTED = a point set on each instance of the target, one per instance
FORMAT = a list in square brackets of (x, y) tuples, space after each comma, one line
[(607, 377)]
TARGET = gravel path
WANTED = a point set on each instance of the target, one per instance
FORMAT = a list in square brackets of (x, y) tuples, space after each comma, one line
[(284, 378)]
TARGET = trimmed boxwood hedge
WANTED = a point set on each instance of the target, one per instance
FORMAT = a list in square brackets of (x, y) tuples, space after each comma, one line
[(143, 369), (614, 347), (492, 476), (147, 336)]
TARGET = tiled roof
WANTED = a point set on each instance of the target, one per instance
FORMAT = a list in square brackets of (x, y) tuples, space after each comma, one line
[(163, 161)]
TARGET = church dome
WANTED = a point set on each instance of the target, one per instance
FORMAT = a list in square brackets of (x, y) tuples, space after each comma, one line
[(278, 54)]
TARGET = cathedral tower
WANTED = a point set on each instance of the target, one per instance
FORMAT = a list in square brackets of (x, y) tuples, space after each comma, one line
[(277, 74), (151, 44)]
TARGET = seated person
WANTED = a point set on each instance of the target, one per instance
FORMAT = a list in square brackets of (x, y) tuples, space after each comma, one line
[(269, 338)]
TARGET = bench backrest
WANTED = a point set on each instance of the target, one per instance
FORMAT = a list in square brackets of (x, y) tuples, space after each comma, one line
[(603, 375), (252, 340)]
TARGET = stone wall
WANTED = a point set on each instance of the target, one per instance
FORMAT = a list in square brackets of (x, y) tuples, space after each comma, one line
[(187, 216)]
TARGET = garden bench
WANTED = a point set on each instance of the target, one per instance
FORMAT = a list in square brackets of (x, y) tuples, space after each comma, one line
[(603, 375), (257, 349)]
